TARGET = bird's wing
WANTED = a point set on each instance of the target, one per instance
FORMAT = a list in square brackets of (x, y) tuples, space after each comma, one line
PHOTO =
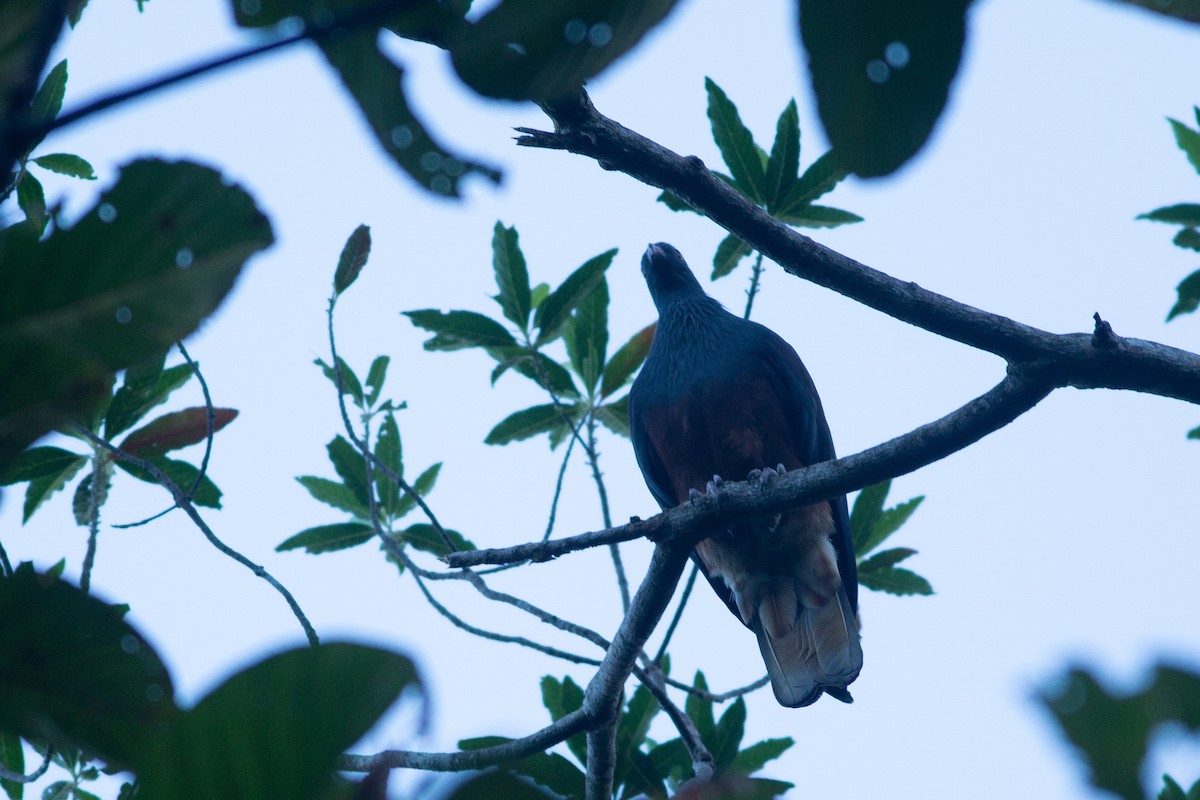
[(648, 457)]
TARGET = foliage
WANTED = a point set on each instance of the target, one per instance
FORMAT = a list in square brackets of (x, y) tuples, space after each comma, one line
[(77, 676), (1112, 731), (772, 182), (871, 525), (1186, 215)]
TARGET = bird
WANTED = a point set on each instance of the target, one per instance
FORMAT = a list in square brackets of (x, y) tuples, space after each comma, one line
[(724, 398)]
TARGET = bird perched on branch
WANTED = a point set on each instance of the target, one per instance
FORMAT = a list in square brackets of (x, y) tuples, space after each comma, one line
[(723, 397)]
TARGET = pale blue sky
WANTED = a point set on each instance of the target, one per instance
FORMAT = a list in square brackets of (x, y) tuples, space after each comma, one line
[(1067, 537)]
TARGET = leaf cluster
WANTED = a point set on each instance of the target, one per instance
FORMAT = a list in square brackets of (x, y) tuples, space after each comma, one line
[(145, 386), (646, 768), (534, 317), (82, 681), (871, 525), (771, 181)]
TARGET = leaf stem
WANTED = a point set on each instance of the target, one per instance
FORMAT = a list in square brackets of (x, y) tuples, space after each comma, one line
[(755, 276)]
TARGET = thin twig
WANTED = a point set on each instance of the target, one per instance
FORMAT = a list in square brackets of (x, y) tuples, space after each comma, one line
[(702, 761), (755, 277), (99, 473), (17, 777), (593, 455), (718, 697), (5, 564), (185, 502), (683, 600), (558, 485)]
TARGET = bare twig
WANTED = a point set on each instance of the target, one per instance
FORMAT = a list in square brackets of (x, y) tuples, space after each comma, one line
[(702, 760), (683, 600), (99, 473), (718, 697), (185, 502), (5, 564), (17, 777), (755, 285)]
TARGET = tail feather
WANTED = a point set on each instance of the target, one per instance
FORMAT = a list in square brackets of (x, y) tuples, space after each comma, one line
[(821, 653)]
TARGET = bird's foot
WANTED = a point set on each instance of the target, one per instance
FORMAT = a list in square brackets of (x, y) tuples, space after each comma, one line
[(765, 475), (711, 487)]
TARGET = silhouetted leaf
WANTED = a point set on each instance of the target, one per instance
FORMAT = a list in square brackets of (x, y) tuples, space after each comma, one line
[(729, 254), (353, 258), (184, 475), (426, 538), (38, 462), (1188, 139), (525, 424), (512, 276), (881, 72), (175, 430), (31, 199), (49, 98), (754, 757), (864, 516), (456, 330), (561, 698), (335, 494), (12, 758), (615, 416), (349, 381), (783, 167), (587, 337), (145, 386), (327, 538), (539, 368), (43, 486), (66, 164), (813, 216), (627, 360), (701, 711), (497, 783), (895, 580), (553, 312), (1178, 214), (86, 502), (389, 450), (1189, 296), (736, 144), (728, 736), (376, 375), (675, 202)]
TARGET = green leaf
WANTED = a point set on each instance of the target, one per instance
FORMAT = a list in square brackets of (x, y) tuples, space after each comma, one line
[(31, 199), (498, 783), (754, 757), (526, 424), (729, 732), (350, 383), (184, 475), (672, 760), (82, 502), (512, 276), (1187, 238), (332, 493), (886, 558), (553, 312), (632, 727), (895, 580), (539, 368), (1112, 730), (1188, 141), (376, 375), (137, 273), (1187, 10), (376, 84), (561, 698), (783, 167), (701, 712), (66, 164), (275, 729), (729, 253), (49, 98), (1189, 296), (881, 72), (42, 487), (615, 416), (426, 538), (675, 202), (813, 216), (75, 671), (1178, 214), (552, 771), (735, 143), (176, 430), (423, 486), (353, 258), (530, 50), (766, 789), (1194, 433), (145, 386), (819, 179), (643, 779), (456, 330), (390, 451), (626, 361), (327, 538), (38, 462), (893, 518), (12, 758), (59, 790), (587, 338), (348, 463), (864, 516), (1171, 790)]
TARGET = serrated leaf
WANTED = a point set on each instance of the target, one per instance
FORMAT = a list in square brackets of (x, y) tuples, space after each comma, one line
[(783, 166), (456, 330), (893, 518), (1188, 141), (539, 368), (895, 580), (347, 461), (885, 559), (729, 254), (881, 72), (12, 758), (352, 259), (864, 516), (1179, 214), (626, 361), (49, 98), (675, 202), (512, 276), (643, 780), (530, 50), (41, 488), (82, 502), (426, 538), (615, 416), (728, 735), (176, 430), (753, 758), (66, 164), (350, 383), (93, 299), (37, 462), (819, 179), (736, 144), (327, 538), (632, 726), (526, 424), (671, 760), (701, 711), (1171, 790), (553, 312), (1189, 296), (376, 375), (390, 451), (587, 337), (561, 698), (814, 216), (184, 475), (423, 485), (1187, 238), (767, 789), (335, 494), (138, 395), (31, 199)]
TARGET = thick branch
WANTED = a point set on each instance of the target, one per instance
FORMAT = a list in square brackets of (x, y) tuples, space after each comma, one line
[(1132, 364)]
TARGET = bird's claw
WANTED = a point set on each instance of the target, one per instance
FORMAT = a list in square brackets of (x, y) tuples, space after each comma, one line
[(716, 483), (765, 475)]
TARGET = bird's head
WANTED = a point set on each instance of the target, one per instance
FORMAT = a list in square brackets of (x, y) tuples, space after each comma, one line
[(668, 276)]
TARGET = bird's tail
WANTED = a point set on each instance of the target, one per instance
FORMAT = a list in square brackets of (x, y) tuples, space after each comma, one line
[(820, 653)]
